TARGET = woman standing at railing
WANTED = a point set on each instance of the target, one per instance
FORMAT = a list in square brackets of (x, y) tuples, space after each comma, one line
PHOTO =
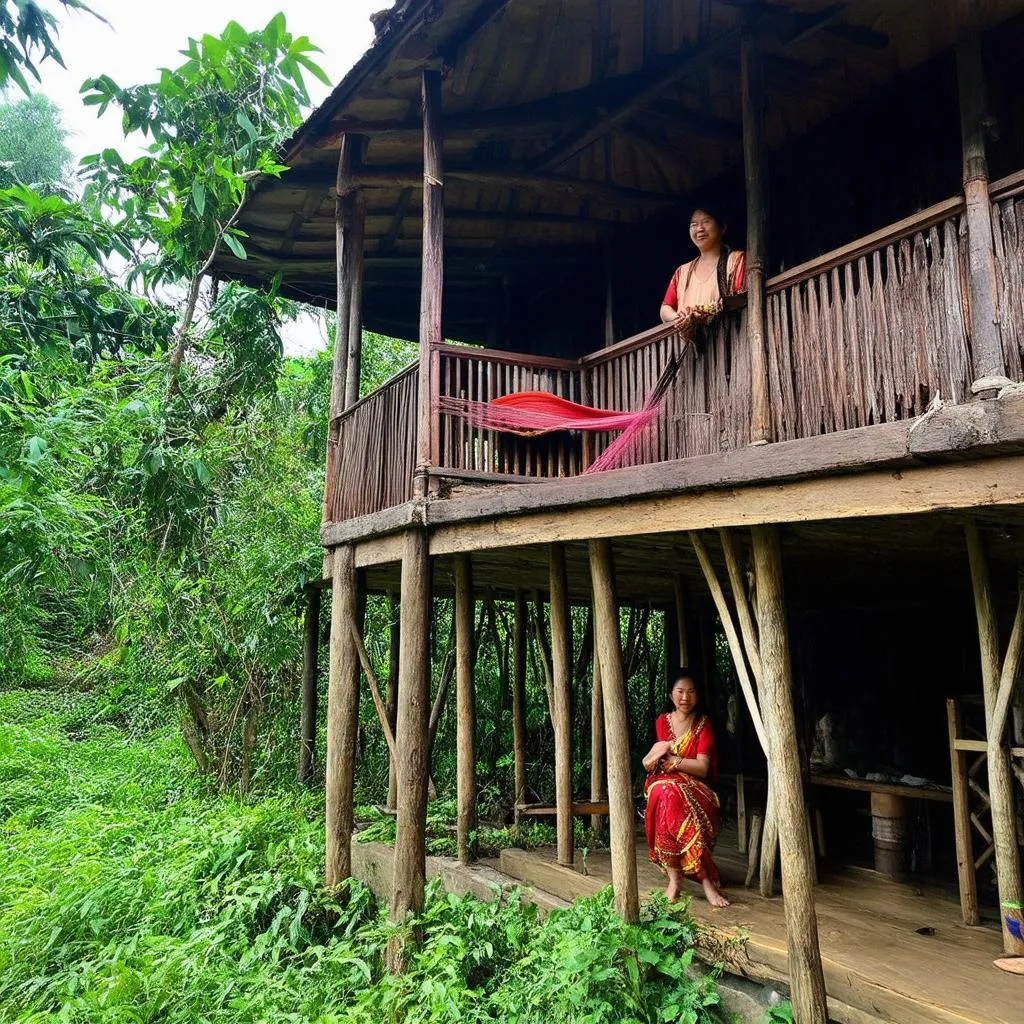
[(697, 288)]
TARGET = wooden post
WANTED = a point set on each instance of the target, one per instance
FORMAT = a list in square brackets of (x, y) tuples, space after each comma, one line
[(609, 294), (608, 650), (432, 284), (962, 819), (683, 652), (986, 340), (310, 673), (465, 702), (355, 324), (755, 163), (561, 711), (808, 982), (344, 233), (519, 698), (342, 716), (1000, 775), (391, 704), (411, 739), (598, 758)]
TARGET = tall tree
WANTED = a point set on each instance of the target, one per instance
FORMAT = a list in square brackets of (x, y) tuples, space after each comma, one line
[(33, 144)]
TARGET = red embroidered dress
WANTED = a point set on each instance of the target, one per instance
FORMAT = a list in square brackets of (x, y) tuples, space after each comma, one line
[(683, 818)]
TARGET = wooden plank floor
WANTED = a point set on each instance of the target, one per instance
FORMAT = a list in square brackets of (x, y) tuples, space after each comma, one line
[(877, 966)]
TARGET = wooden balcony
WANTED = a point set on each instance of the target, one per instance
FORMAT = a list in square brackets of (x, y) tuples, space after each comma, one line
[(870, 333)]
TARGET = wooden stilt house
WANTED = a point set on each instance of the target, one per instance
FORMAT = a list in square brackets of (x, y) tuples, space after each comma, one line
[(832, 487)]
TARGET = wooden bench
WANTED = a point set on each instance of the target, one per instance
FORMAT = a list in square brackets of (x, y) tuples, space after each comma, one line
[(544, 810)]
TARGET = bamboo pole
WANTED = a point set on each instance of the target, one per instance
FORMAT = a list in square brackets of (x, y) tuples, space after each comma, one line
[(371, 676), (310, 695), (519, 699), (1000, 775), (608, 649), (755, 162), (598, 758), (391, 704), (342, 716), (962, 819), (355, 320), (679, 593), (432, 286), (986, 342), (561, 710), (808, 982), (465, 700), (411, 740)]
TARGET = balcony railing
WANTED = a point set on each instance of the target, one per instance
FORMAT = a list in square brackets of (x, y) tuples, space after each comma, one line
[(867, 334)]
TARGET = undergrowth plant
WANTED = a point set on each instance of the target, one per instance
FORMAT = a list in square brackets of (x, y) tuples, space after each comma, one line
[(130, 891)]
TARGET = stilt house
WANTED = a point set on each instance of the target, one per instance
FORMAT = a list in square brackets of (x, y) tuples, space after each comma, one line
[(832, 487)]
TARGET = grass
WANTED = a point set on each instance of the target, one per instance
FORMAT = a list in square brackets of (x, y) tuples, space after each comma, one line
[(129, 893)]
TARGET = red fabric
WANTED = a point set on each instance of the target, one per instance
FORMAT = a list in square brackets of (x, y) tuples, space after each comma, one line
[(739, 277), (683, 819), (672, 293)]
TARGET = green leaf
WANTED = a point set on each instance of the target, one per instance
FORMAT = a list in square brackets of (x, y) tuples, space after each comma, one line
[(199, 196), (235, 246), (246, 125), (36, 449)]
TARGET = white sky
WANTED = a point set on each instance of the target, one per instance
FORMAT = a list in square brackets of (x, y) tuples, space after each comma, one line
[(144, 35)]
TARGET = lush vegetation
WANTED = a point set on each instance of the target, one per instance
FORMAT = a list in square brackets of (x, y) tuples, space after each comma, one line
[(130, 892)]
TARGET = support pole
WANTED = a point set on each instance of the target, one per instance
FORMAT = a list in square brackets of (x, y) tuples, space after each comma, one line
[(355, 323), (561, 711), (310, 696), (608, 649), (683, 652), (342, 716), (986, 339), (391, 703), (432, 284), (344, 232), (598, 758), (519, 699), (1000, 774), (411, 739), (465, 701), (808, 982), (755, 162)]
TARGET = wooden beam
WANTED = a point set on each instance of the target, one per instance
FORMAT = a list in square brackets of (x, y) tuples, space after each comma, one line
[(411, 740), (371, 677), (608, 649), (391, 703), (519, 698), (465, 702), (310, 678), (451, 50), (431, 296), (808, 982), (342, 717), (355, 320), (1000, 776), (669, 73), (1009, 676), (682, 651), (986, 340), (755, 162), (387, 243), (561, 708)]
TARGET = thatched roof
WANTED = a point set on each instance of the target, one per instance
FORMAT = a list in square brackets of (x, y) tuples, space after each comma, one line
[(566, 122)]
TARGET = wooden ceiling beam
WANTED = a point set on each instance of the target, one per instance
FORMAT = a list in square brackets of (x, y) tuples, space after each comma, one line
[(387, 243)]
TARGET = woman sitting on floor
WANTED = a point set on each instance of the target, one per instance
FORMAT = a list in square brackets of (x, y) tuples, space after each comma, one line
[(697, 288), (682, 810)]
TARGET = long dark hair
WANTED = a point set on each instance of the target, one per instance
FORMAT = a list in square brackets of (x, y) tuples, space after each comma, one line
[(722, 270)]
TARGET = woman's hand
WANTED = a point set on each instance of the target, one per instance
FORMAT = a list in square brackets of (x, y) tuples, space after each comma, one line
[(656, 753)]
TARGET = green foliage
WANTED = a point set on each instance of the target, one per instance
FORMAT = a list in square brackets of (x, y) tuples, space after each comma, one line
[(27, 37), (780, 1014), (127, 893), (33, 144), (213, 123)]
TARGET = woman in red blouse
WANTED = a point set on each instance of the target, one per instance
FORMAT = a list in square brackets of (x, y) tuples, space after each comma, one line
[(683, 818)]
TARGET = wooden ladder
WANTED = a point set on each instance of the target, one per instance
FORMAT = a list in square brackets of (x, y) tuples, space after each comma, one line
[(971, 806)]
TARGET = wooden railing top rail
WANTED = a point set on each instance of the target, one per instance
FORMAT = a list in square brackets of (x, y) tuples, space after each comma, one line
[(497, 355), (1004, 188), (390, 382), (648, 337)]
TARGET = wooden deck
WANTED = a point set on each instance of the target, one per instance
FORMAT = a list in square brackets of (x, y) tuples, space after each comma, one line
[(879, 964)]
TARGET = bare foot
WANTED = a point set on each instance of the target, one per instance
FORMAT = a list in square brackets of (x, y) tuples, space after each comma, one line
[(713, 896), (672, 891)]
